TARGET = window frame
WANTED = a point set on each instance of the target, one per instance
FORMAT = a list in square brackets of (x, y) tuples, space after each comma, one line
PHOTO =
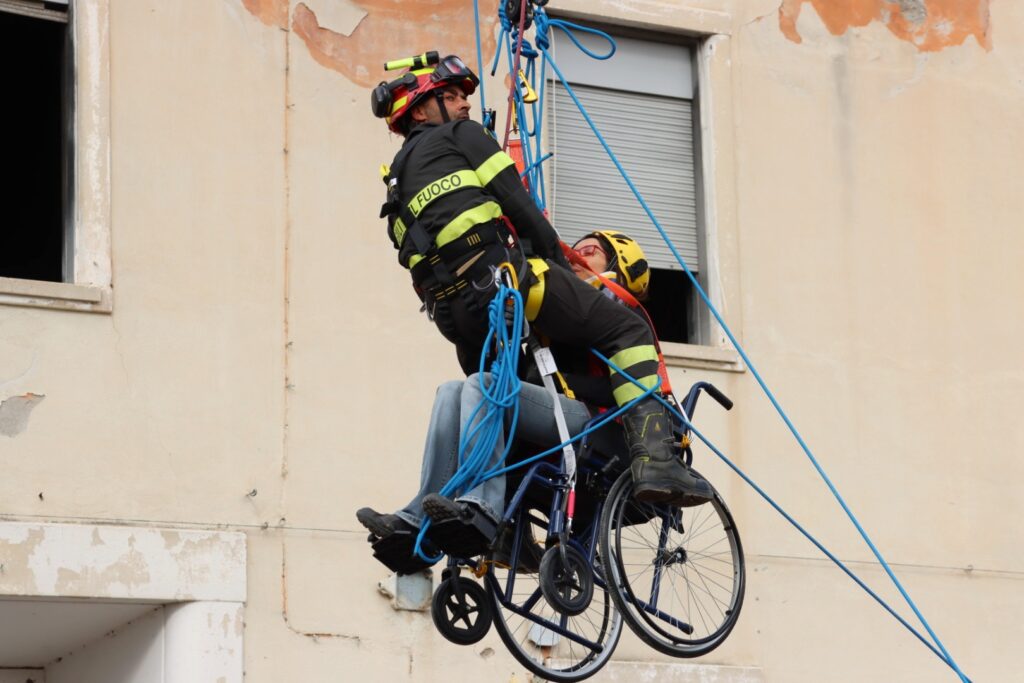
[(710, 349), (87, 260)]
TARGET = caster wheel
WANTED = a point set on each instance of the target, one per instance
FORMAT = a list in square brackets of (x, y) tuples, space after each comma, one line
[(461, 611), (567, 583)]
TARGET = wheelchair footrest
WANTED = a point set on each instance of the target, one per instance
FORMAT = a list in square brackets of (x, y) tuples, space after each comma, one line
[(464, 537), (396, 552)]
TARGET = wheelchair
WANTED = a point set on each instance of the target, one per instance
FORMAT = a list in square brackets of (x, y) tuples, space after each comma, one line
[(675, 576)]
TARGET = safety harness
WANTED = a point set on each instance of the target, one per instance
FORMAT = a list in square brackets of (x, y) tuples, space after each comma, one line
[(434, 272)]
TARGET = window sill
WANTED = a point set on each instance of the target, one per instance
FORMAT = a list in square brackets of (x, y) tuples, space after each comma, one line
[(58, 295), (701, 357)]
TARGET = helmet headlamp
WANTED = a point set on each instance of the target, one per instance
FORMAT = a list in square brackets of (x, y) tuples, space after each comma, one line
[(427, 73)]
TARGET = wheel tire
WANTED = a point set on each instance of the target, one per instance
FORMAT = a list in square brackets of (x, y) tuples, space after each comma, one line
[(720, 574), (568, 589), (453, 616), (601, 623)]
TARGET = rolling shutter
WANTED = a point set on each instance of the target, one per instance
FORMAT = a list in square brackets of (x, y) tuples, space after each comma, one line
[(652, 136)]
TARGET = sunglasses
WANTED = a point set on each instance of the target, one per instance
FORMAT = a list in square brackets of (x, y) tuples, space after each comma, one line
[(590, 250)]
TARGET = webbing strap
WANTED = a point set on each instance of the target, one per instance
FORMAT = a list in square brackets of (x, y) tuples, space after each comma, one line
[(422, 241), (547, 367), (535, 297)]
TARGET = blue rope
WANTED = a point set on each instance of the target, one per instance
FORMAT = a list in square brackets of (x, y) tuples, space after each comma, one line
[(479, 56), (500, 396), (771, 397), (479, 437), (714, 449), (544, 25)]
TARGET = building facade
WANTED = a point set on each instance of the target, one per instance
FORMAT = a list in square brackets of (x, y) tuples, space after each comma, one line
[(209, 358)]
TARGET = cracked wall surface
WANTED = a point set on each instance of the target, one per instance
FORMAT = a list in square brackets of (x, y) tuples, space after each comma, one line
[(929, 25)]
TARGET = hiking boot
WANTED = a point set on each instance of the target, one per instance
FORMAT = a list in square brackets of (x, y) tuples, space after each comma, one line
[(530, 552), (659, 473), (380, 525), (459, 529)]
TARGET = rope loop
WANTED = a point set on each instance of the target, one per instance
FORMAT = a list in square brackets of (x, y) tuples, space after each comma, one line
[(544, 25)]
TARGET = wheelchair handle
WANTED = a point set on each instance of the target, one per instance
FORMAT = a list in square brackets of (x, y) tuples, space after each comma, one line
[(722, 399), (690, 402)]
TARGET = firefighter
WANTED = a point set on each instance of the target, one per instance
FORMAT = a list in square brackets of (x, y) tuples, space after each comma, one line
[(456, 210)]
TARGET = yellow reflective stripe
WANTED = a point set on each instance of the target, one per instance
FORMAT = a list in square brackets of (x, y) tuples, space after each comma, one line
[(488, 211), (440, 188), (634, 355), (398, 104), (399, 230), (498, 162), (535, 296), (627, 392)]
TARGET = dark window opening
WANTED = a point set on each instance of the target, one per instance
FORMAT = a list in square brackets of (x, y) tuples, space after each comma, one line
[(669, 305), (32, 124)]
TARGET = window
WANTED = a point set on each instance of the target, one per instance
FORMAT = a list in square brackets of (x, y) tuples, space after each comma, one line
[(643, 101), (55, 131), (35, 49)]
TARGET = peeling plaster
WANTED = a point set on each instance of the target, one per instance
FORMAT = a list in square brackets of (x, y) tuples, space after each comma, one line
[(17, 544), (70, 560), (390, 30), (14, 413), (929, 25), (125, 574)]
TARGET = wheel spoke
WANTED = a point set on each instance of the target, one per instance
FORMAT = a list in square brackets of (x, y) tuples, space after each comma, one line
[(690, 556)]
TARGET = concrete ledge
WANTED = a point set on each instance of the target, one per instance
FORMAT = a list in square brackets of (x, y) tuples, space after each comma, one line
[(61, 295), (657, 15), (649, 672), (123, 563), (701, 357)]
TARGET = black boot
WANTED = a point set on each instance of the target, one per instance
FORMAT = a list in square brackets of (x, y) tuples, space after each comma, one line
[(380, 525), (393, 541), (659, 474), (458, 528)]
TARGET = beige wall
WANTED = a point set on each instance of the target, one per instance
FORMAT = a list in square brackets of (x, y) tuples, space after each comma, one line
[(264, 368)]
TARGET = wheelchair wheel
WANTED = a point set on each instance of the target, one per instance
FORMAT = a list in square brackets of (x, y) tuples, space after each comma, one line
[(677, 574), (461, 610), (567, 585), (550, 644)]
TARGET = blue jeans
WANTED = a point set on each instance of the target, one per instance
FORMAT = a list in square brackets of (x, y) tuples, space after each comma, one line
[(453, 405)]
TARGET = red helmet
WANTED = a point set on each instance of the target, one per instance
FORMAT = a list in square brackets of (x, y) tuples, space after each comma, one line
[(427, 74)]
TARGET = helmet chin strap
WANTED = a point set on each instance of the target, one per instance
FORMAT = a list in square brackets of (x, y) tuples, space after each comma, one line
[(440, 105)]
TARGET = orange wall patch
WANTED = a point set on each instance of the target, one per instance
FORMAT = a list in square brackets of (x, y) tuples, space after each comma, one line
[(393, 29), (270, 12), (929, 25)]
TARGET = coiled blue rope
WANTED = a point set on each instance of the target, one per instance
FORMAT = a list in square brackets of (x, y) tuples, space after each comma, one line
[(500, 389), (479, 437)]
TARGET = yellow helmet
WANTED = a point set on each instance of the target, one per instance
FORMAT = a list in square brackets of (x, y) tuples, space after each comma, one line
[(627, 259)]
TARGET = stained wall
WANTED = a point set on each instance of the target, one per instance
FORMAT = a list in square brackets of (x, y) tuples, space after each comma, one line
[(264, 368)]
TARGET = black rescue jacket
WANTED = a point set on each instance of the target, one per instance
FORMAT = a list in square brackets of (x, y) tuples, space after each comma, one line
[(448, 188)]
